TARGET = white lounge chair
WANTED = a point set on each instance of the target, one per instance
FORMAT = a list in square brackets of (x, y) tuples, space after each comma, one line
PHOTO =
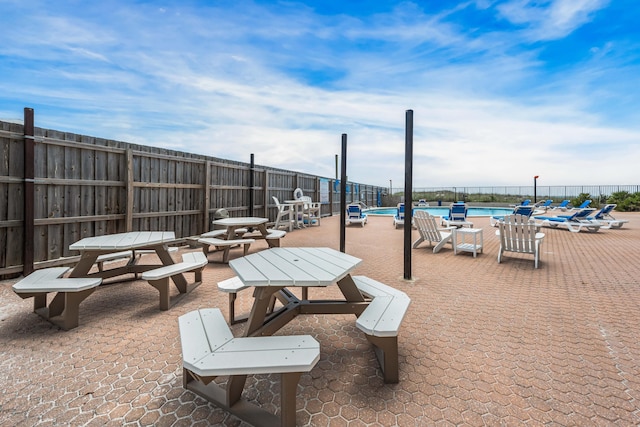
[(577, 222), (398, 219), (355, 215), (457, 216), (518, 234), (429, 231), (286, 215), (604, 217)]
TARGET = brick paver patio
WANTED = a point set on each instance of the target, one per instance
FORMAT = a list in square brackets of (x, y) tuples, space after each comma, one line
[(482, 344)]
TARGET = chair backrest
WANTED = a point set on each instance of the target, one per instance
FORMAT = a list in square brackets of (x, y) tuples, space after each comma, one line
[(582, 214), (523, 210), (525, 202), (563, 204), (458, 212), (517, 234), (354, 211), (584, 204), (427, 226), (275, 200), (605, 212), (400, 213)]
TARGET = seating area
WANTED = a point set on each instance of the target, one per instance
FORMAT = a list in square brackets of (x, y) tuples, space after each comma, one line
[(454, 315)]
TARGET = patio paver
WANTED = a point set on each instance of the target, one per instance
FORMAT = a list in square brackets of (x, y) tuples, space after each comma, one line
[(482, 343)]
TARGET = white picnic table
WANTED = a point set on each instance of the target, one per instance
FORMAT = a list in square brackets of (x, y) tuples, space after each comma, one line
[(233, 224), (271, 272), (91, 248)]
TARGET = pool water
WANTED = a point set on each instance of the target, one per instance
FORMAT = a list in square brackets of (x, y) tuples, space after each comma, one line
[(443, 211)]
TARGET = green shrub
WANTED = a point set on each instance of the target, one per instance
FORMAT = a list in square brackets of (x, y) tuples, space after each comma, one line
[(626, 202)]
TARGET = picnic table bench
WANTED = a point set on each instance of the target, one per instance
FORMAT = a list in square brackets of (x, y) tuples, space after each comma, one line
[(159, 277), (209, 350), (381, 320), (64, 309)]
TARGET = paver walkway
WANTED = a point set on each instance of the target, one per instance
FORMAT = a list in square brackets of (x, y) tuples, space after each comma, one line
[(482, 343)]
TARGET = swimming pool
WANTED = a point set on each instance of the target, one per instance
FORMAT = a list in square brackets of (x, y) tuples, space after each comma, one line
[(443, 211)]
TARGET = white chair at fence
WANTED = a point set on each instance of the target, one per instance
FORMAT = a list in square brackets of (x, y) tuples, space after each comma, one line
[(286, 215)]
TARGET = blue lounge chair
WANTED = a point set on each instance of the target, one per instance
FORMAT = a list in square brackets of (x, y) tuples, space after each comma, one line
[(526, 211), (355, 215), (457, 216), (562, 206), (584, 205), (398, 219), (577, 222), (604, 217), (544, 205)]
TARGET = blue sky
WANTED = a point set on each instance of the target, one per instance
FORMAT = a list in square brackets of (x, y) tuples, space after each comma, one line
[(500, 90)]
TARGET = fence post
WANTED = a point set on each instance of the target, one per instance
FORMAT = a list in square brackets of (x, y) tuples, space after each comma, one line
[(29, 191), (207, 196), (129, 207), (251, 183)]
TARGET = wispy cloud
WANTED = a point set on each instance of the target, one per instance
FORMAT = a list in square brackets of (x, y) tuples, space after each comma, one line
[(500, 90)]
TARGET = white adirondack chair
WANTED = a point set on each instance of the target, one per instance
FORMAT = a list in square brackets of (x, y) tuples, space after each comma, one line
[(429, 231), (518, 234)]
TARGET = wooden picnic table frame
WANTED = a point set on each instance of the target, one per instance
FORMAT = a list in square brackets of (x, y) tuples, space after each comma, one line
[(92, 247)]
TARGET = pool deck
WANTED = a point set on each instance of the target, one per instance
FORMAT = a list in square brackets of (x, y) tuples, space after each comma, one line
[(482, 343)]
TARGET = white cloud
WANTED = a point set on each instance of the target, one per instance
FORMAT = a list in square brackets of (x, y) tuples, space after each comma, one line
[(551, 19), (231, 82)]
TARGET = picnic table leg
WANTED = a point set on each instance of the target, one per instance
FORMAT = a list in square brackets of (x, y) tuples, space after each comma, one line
[(163, 253), (273, 243), (39, 301), (67, 305), (386, 349), (84, 265), (162, 285), (288, 387), (349, 289), (261, 306)]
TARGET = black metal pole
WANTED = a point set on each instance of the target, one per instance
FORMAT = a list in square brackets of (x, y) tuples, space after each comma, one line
[(535, 184), (408, 193), (251, 184), (343, 192), (29, 191)]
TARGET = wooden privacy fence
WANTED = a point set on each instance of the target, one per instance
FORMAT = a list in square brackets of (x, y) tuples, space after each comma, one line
[(57, 188)]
